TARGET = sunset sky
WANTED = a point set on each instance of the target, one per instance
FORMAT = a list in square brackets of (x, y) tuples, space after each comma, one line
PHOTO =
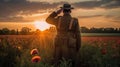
[(15, 14)]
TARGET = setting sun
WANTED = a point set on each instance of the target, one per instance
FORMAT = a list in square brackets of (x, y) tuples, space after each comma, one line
[(41, 25)]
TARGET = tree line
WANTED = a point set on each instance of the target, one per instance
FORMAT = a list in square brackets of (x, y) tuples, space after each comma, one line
[(28, 31), (100, 30), (6, 31)]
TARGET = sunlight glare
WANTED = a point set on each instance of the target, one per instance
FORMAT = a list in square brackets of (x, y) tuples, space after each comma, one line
[(41, 25)]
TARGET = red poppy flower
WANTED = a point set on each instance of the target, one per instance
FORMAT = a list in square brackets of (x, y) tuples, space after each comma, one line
[(104, 44), (103, 51), (34, 51), (118, 42), (36, 59), (114, 46)]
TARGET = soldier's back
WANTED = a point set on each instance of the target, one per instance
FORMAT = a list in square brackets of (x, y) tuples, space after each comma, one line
[(63, 23)]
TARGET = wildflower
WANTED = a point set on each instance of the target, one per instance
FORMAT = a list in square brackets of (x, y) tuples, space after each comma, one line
[(103, 51), (36, 59), (19, 47), (118, 42), (114, 46), (34, 51), (115, 55), (104, 44)]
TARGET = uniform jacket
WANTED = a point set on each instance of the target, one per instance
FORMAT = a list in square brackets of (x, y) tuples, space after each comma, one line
[(63, 25)]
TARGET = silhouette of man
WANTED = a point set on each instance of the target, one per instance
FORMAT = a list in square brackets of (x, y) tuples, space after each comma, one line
[(68, 40)]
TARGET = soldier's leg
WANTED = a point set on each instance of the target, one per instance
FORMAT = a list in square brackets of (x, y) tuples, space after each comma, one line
[(57, 52), (75, 56), (72, 56), (65, 51), (78, 64)]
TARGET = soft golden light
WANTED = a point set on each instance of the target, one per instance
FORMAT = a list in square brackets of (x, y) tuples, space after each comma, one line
[(41, 25)]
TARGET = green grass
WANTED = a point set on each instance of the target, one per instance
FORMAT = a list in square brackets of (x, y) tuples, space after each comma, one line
[(16, 53)]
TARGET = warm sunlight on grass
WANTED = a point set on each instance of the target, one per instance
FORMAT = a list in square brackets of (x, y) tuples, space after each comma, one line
[(41, 25)]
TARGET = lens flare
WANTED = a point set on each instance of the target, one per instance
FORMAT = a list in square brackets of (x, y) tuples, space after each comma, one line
[(41, 25)]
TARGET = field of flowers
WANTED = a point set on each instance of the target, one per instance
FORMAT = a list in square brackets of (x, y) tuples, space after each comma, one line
[(37, 51)]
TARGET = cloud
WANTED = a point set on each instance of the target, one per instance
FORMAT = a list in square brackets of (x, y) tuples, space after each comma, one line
[(113, 18), (87, 4), (111, 4), (25, 5), (90, 16), (12, 19), (10, 9), (116, 21), (56, 1), (98, 4)]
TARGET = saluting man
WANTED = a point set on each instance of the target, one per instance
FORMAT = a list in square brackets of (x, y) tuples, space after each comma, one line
[(68, 40)]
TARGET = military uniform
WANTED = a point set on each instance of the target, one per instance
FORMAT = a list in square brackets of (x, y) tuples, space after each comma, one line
[(67, 41)]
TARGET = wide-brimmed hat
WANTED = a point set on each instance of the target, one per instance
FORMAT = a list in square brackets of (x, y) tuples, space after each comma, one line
[(67, 6)]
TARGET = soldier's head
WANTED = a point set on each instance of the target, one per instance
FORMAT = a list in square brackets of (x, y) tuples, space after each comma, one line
[(67, 8)]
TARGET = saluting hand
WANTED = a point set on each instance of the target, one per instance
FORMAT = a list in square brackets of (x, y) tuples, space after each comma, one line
[(59, 11)]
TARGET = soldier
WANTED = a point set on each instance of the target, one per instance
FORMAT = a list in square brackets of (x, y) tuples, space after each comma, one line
[(68, 40)]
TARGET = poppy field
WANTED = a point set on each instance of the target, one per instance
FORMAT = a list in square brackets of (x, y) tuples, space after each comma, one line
[(37, 51)]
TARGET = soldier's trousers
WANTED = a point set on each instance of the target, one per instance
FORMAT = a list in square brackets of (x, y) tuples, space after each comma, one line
[(65, 47)]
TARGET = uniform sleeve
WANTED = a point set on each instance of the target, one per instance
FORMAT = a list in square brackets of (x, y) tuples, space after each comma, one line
[(51, 19), (78, 35)]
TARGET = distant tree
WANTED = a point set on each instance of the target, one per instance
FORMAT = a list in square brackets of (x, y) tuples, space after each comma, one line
[(100, 30), (0, 31), (116, 30), (52, 29), (13, 32), (5, 31), (25, 30), (37, 31), (119, 30), (109, 30), (84, 29), (17, 32), (93, 30)]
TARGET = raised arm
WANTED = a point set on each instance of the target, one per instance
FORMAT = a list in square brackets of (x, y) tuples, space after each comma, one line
[(51, 19)]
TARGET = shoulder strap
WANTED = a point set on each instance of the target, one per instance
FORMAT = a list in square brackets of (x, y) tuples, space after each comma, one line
[(71, 23), (59, 22)]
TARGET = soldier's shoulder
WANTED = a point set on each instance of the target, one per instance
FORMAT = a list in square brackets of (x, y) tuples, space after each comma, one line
[(59, 16), (75, 18)]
